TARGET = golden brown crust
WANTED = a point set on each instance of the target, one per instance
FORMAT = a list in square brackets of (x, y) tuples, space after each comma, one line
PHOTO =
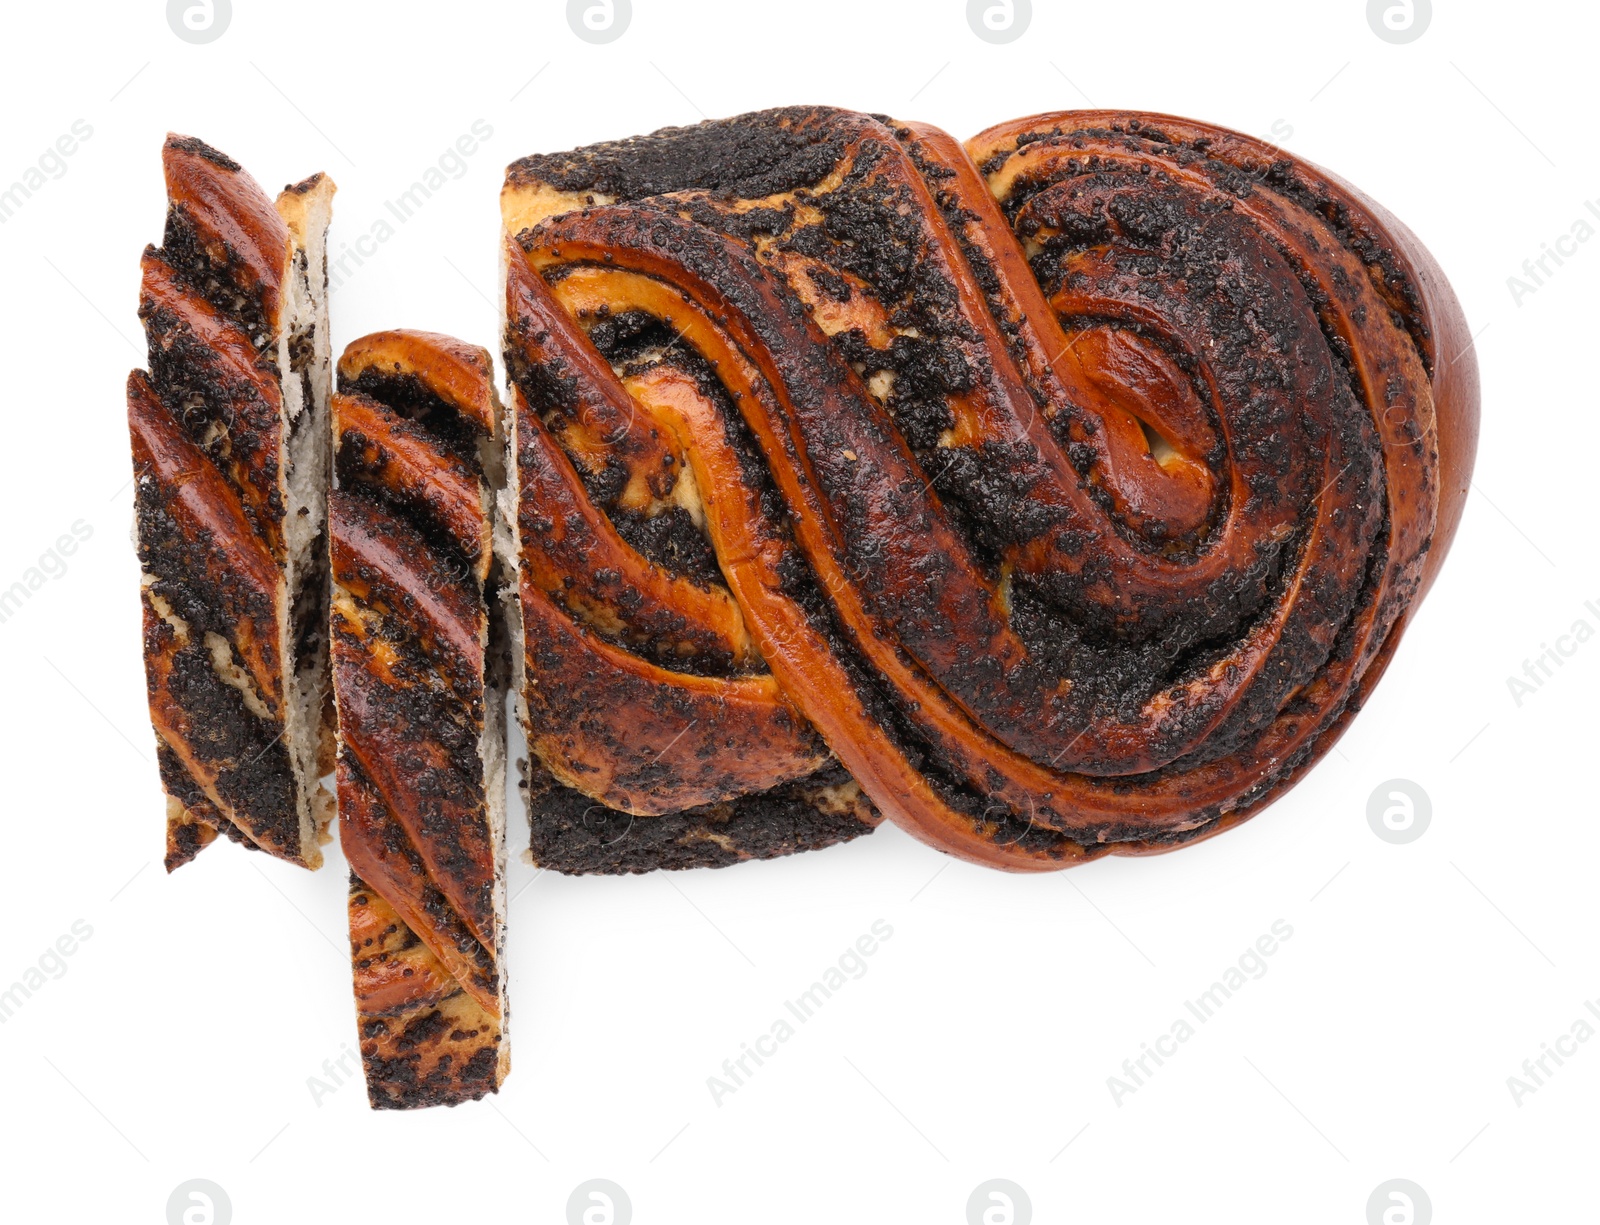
[(1073, 485), (231, 219), (1452, 372), (1397, 263), (456, 372), (424, 1040), (675, 616), (413, 584)]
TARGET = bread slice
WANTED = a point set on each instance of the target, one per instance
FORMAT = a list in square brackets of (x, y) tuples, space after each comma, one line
[(419, 678), (230, 453)]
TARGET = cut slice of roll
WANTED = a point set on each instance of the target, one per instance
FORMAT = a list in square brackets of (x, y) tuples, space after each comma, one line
[(419, 677), (230, 455)]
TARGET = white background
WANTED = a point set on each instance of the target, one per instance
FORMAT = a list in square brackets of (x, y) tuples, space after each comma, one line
[(179, 1042)]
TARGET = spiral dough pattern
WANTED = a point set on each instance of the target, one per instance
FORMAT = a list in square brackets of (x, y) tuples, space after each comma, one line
[(1070, 488)]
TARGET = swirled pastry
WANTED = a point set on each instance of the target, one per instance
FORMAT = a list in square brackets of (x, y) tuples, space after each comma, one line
[(419, 682), (1066, 492), (230, 456)]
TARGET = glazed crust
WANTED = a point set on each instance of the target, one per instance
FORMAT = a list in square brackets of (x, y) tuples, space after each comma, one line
[(1401, 268), (210, 430), (1073, 486), (644, 694), (410, 526), (424, 1041)]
